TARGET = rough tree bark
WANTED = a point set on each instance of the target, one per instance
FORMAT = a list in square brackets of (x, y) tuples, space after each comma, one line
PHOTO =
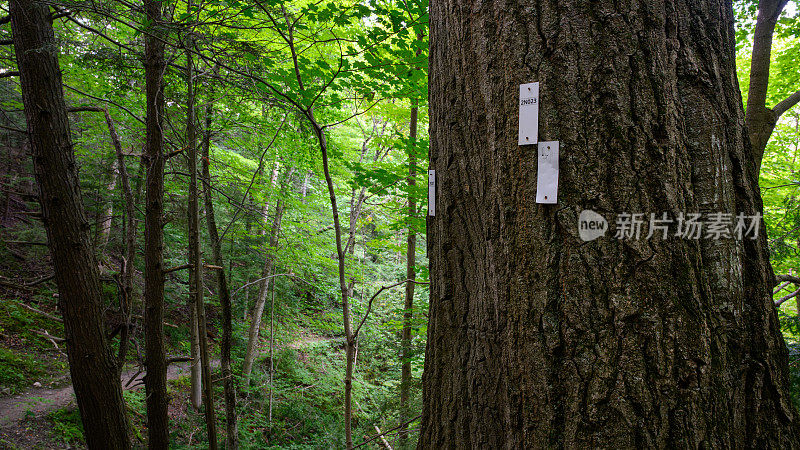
[(537, 339), (93, 367), (195, 256), (760, 119), (129, 227), (155, 357), (228, 383)]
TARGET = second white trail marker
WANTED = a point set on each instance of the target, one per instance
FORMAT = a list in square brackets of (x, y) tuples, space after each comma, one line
[(528, 114), (431, 192), (547, 179)]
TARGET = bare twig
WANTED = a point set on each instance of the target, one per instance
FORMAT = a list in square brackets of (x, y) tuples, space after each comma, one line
[(781, 287), (138, 372), (780, 301), (787, 278), (166, 324), (49, 337), (260, 280), (176, 268), (14, 285), (40, 280), (178, 359), (369, 305), (26, 243), (16, 130), (386, 432), (42, 313)]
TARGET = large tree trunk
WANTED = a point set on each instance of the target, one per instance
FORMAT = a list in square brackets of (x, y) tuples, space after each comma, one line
[(93, 367), (155, 356), (228, 384), (537, 339)]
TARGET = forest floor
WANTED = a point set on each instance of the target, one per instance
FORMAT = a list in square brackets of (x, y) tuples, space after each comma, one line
[(40, 402), (24, 417), (27, 418)]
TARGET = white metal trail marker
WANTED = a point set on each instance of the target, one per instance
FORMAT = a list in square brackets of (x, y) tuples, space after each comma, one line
[(431, 193), (547, 179), (528, 114)]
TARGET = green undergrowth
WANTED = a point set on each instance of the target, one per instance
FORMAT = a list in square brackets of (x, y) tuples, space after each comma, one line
[(25, 356), (67, 426)]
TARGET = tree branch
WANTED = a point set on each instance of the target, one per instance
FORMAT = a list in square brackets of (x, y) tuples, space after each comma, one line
[(51, 338), (86, 109), (177, 359), (369, 305), (260, 280), (780, 301), (42, 313), (386, 432), (786, 104), (781, 287), (16, 130), (789, 278), (40, 280), (758, 118), (176, 268), (105, 101)]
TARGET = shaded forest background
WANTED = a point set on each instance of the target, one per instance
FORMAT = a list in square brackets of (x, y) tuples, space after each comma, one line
[(259, 70)]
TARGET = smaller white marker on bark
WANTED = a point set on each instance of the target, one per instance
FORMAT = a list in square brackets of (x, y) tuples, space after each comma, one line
[(547, 178), (431, 193)]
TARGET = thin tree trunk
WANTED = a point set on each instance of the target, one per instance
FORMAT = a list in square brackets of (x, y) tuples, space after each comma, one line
[(271, 352), (104, 227), (7, 174), (195, 270), (319, 132), (761, 119), (228, 385), (411, 254), (348, 331), (155, 356), (537, 339), (130, 241), (196, 289), (263, 292), (196, 368), (93, 367), (304, 187)]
